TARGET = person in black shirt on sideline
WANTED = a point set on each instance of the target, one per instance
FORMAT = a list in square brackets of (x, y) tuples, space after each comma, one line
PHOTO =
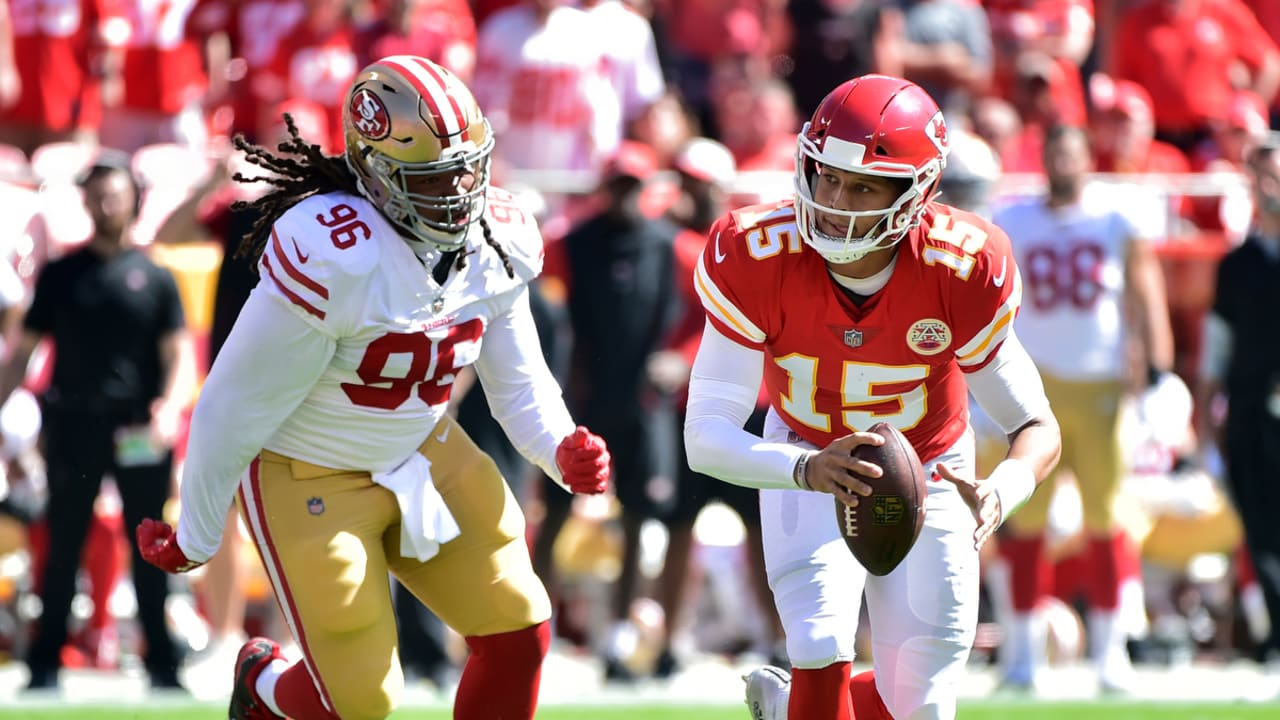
[(622, 304), (123, 374), (1241, 362)]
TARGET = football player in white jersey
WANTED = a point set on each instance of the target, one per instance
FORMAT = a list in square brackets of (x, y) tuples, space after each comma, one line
[(383, 273), (1094, 296)]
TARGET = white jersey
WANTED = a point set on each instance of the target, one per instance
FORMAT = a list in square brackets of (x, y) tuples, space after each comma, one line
[(631, 53), (545, 89), (1072, 261), (345, 353)]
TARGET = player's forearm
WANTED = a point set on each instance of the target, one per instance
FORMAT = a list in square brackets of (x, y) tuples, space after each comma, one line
[(1038, 444), (523, 394), (719, 447), (723, 387), (1148, 292)]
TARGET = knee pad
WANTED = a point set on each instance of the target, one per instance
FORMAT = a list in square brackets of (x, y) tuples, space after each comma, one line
[(818, 633)]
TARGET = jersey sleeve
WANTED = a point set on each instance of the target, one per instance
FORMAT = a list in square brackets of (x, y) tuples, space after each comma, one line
[(315, 259), (985, 303), (733, 286)]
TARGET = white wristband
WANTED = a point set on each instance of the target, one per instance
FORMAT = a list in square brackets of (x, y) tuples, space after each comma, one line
[(1013, 482)]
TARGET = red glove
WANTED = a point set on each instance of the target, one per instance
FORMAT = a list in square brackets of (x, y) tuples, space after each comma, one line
[(583, 460), (158, 544)]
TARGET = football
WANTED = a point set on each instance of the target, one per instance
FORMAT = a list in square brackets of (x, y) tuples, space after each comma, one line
[(883, 527)]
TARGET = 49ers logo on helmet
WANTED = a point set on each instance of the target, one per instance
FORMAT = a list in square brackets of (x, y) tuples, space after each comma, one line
[(369, 115)]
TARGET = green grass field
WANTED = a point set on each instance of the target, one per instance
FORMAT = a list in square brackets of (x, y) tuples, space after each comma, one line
[(972, 710)]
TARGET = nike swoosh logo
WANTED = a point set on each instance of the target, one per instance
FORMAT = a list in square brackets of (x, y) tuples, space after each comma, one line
[(444, 434), (719, 255), (301, 258), (998, 280)]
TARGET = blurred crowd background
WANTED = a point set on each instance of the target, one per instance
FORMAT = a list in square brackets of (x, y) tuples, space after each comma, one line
[(625, 126)]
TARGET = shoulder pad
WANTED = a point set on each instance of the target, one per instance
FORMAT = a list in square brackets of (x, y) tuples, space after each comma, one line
[(748, 217), (317, 249), (742, 266), (985, 287), (515, 229)]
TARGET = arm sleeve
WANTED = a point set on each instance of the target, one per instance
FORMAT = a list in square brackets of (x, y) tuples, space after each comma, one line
[(722, 395), (243, 402), (523, 395), (1009, 388)]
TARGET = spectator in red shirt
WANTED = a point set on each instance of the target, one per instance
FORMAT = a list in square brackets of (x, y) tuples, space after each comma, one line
[(442, 31), (252, 30), (164, 78), (758, 124), (1123, 131), (1243, 126), (315, 62), (1123, 136), (1061, 30), (1187, 53), (63, 53)]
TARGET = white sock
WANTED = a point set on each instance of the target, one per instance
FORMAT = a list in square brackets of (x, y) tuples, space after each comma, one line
[(266, 684), (622, 641), (1255, 612), (1107, 644), (1028, 646)]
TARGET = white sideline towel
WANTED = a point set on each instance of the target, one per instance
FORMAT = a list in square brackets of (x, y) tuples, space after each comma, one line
[(425, 520)]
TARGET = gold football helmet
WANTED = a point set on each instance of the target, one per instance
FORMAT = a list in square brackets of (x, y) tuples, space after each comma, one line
[(420, 147)]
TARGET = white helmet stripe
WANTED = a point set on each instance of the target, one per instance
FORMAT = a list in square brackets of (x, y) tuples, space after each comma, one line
[(446, 113)]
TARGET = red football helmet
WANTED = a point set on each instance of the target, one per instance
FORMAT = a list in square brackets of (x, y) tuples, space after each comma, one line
[(408, 118), (876, 125)]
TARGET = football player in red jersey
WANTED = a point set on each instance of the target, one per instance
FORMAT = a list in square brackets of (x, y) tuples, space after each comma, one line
[(382, 273), (863, 300)]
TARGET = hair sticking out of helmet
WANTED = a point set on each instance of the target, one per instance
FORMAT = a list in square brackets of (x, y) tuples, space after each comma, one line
[(873, 125), (420, 148)]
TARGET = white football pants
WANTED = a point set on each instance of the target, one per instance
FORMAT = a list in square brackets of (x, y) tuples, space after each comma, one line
[(923, 615)]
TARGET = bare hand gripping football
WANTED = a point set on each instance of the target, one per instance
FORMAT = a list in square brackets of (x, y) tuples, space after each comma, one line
[(883, 527)]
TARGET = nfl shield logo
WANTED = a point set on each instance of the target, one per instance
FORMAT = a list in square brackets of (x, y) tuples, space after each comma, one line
[(315, 506), (853, 338)]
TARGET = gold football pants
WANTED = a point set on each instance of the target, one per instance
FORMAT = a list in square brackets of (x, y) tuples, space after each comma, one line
[(329, 537), (1089, 415)]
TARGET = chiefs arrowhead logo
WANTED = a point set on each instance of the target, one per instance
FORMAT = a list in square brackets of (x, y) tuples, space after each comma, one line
[(937, 131), (369, 115)]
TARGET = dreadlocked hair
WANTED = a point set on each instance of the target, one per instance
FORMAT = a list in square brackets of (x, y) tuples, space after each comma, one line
[(294, 179), (492, 242)]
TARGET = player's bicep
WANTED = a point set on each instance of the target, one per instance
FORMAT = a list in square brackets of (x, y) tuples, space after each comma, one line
[(1009, 388)]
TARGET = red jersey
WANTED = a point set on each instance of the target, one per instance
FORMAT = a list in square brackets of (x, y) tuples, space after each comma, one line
[(163, 60), (1185, 59), (315, 66), (56, 43), (833, 367)]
